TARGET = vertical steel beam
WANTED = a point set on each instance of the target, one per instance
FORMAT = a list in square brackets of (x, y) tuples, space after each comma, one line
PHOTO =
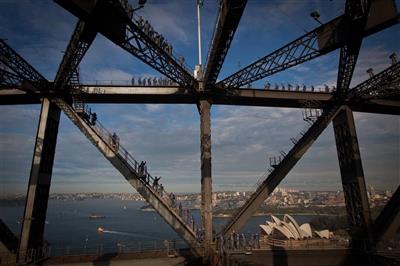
[(206, 181), (355, 193), (39, 181)]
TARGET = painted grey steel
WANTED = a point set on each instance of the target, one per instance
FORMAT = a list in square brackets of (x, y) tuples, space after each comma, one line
[(131, 175), (280, 171), (32, 229)]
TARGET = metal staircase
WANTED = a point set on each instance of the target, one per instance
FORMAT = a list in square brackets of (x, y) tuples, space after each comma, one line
[(279, 168), (77, 98), (134, 173), (310, 112)]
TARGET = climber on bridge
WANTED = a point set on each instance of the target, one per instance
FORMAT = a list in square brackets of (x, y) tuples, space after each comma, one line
[(93, 119), (155, 182), (142, 171)]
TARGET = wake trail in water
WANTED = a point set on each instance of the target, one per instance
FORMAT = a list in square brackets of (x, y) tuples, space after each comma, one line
[(130, 234)]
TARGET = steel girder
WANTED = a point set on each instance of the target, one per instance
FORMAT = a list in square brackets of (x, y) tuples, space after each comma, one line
[(353, 181), (21, 68), (280, 171), (356, 13), (321, 40), (80, 41), (114, 23), (129, 168), (388, 222), (382, 85), (228, 20), (8, 79)]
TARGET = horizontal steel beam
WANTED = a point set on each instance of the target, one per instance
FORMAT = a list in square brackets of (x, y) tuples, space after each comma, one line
[(177, 95)]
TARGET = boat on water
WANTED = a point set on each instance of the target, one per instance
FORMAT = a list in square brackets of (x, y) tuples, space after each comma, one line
[(100, 229), (96, 216), (147, 208)]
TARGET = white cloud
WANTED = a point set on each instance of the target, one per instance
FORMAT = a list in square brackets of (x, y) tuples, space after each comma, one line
[(153, 107)]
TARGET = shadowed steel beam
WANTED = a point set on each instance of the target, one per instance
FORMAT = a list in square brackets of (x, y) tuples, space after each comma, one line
[(21, 68), (228, 20), (114, 23), (352, 174), (8, 79), (7, 237), (380, 85), (322, 40), (129, 168), (280, 171), (80, 41), (176, 95), (204, 107), (356, 18), (34, 218), (388, 222)]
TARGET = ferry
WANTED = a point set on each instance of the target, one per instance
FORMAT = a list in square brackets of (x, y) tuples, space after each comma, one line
[(96, 216), (100, 229)]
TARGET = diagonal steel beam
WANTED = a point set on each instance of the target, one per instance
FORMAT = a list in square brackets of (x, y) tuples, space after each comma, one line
[(129, 168), (21, 68), (356, 15), (280, 171), (113, 21), (322, 40), (7, 238), (378, 85), (229, 16), (8, 79), (80, 41), (388, 222)]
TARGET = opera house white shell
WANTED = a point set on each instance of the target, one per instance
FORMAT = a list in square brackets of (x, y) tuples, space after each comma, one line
[(288, 228)]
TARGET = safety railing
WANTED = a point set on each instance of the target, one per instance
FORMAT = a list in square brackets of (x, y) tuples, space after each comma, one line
[(144, 81), (298, 88), (177, 57), (112, 141)]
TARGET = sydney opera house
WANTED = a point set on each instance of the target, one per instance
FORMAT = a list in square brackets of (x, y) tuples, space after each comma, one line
[(287, 231)]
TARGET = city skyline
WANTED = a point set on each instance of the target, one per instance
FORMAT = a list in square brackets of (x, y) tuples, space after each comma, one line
[(167, 136)]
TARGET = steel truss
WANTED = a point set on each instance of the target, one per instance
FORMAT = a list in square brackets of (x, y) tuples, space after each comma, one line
[(322, 40), (114, 23), (23, 69), (8, 79), (79, 43), (228, 20)]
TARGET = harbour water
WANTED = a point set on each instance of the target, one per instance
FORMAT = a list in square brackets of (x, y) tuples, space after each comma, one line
[(69, 226)]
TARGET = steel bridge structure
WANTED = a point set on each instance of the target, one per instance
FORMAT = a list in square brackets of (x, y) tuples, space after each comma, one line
[(21, 83)]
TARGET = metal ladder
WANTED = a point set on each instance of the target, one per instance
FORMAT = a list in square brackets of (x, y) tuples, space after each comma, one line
[(311, 112)]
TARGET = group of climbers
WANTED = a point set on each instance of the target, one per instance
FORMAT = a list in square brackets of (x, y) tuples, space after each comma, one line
[(239, 241), (156, 37), (152, 81), (290, 87)]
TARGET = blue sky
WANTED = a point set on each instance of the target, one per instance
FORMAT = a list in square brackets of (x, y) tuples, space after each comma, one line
[(167, 136)]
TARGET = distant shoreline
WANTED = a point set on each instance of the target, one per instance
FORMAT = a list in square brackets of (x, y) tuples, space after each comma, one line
[(267, 214)]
